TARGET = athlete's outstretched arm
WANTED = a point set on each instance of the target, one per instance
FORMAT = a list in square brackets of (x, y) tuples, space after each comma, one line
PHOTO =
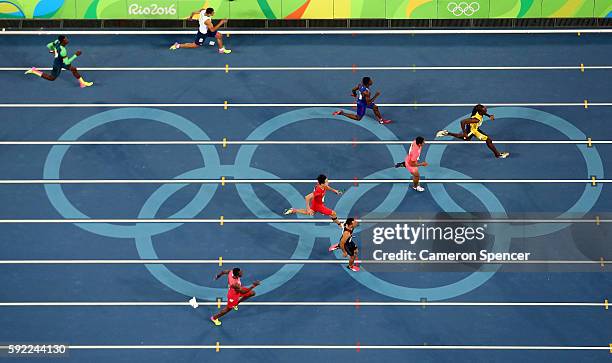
[(224, 272), (327, 187), (375, 97), (244, 290), (216, 27)]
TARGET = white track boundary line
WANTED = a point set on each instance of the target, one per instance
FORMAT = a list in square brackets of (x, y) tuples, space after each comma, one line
[(299, 220), (299, 142), (314, 32), (296, 262), (330, 68), (306, 303), (337, 347), (299, 181), (301, 105)]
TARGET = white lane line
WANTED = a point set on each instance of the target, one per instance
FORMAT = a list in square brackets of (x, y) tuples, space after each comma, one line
[(299, 181), (338, 347), (297, 262), (314, 32), (302, 105), (292, 69), (305, 303), (299, 142), (299, 220)]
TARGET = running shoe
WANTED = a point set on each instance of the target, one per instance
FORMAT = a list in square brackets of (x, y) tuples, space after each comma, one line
[(174, 46), (441, 133), (224, 51), (504, 155), (193, 302), (332, 248), (399, 165), (31, 70), (353, 268), (217, 322), (85, 84), (288, 211), (236, 307), (419, 188), (337, 113), (384, 122)]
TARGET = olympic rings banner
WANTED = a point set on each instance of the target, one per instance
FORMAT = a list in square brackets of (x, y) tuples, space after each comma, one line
[(306, 9)]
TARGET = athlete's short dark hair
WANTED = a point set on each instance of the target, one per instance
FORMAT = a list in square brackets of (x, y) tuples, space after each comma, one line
[(349, 221), (210, 10), (321, 179), (419, 140), (61, 38), (366, 81), (235, 271)]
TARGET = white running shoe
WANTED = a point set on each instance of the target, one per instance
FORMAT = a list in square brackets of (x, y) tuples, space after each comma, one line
[(441, 133), (194, 303), (174, 46), (288, 211), (504, 155), (419, 188)]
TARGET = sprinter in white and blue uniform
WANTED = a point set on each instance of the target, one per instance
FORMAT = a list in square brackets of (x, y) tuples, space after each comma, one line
[(205, 30), (362, 95)]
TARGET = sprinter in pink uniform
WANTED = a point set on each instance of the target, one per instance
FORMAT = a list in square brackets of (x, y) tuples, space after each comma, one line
[(236, 292), (412, 162)]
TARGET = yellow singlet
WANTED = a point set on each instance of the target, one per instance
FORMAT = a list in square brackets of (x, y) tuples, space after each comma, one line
[(474, 128)]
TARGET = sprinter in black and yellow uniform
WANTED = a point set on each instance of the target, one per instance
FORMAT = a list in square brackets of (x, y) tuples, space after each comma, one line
[(471, 127)]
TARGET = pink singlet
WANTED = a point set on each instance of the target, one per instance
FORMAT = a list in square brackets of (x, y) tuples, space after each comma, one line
[(413, 156)]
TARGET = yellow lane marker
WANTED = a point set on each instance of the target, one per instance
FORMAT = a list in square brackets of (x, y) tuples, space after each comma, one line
[(228, 35), (222, 181), (589, 142), (217, 347), (220, 261), (606, 304), (578, 33), (414, 68), (593, 181), (224, 142), (601, 262), (582, 67), (227, 68), (597, 220), (586, 104), (218, 303), (225, 105), (221, 223)]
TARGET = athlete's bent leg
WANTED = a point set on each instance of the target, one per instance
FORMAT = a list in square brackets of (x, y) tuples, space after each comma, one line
[(415, 178), (334, 218), (492, 147), (75, 72), (349, 115), (222, 312), (219, 38)]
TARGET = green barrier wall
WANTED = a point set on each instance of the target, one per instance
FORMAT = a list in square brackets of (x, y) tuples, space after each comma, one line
[(306, 9)]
